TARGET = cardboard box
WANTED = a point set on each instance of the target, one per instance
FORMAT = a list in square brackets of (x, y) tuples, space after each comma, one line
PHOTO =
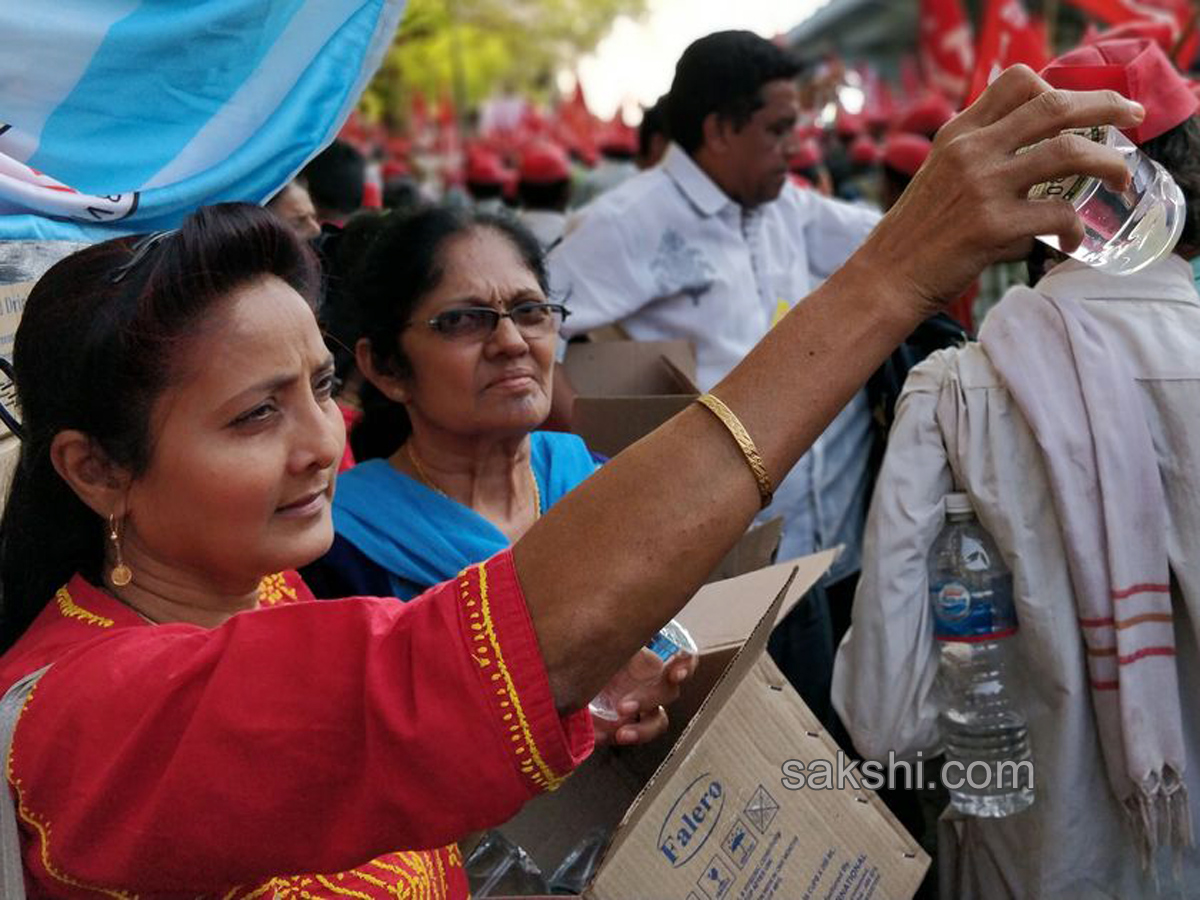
[(626, 389), (714, 822)]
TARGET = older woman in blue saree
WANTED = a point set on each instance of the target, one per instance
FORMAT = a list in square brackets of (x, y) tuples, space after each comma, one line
[(457, 353)]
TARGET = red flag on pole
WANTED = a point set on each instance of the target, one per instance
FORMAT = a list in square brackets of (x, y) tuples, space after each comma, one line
[(1009, 36), (944, 44)]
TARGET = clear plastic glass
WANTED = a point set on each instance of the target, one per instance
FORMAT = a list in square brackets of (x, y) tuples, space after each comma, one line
[(1124, 231), (647, 668), (499, 868), (982, 725), (577, 869)]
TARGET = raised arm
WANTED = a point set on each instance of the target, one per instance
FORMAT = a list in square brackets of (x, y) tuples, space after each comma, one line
[(623, 553)]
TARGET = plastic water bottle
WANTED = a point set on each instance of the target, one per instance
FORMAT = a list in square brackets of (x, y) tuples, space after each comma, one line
[(985, 734), (1124, 231), (650, 665)]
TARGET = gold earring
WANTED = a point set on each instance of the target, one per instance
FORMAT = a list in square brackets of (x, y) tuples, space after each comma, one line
[(120, 574)]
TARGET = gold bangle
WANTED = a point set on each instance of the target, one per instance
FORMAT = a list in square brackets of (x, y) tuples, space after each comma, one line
[(745, 443)]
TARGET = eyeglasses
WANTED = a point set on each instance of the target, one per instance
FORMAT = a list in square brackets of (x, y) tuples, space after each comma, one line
[(478, 323)]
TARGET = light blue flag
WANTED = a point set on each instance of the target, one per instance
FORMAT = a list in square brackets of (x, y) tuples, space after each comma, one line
[(121, 116)]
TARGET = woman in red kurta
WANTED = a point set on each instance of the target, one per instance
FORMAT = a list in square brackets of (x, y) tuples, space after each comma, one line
[(280, 741)]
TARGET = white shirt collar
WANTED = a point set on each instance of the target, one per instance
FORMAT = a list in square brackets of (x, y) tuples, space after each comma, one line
[(1167, 279), (695, 185)]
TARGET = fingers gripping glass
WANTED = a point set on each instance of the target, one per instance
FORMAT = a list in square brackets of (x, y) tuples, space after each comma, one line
[(478, 323)]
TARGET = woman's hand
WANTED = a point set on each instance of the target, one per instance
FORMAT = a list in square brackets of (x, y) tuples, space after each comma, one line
[(643, 718)]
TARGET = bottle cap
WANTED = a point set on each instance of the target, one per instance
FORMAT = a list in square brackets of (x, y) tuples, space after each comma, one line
[(957, 504)]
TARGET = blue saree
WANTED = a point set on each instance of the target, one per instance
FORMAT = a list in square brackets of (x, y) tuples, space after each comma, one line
[(420, 537)]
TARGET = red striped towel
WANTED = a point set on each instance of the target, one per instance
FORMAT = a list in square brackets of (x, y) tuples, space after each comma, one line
[(1080, 399)]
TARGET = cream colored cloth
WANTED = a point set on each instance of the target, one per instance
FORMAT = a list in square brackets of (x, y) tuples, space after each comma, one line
[(957, 424)]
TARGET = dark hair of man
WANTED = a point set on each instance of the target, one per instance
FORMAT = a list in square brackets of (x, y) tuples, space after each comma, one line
[(101, 337), (1178, 151), (401, 193), (553, 196), (723, 73), (484, 191), (403, 264), (336, 179), (654, 121)]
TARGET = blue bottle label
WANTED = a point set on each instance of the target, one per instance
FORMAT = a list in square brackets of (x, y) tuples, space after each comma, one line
[(663, 647), (960, 614)]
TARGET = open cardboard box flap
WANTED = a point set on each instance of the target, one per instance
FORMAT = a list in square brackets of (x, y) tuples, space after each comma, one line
[(713, 822), (721, 614), (631, 368), (626, 389)]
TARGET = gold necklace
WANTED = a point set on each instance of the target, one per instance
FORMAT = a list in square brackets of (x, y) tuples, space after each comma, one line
[(429, 483)]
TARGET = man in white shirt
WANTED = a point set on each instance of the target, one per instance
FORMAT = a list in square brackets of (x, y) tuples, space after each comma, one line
[(714, 245), (960, 427)]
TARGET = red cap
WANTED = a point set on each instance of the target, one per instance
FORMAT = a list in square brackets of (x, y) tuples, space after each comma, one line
[(927, 115), (1155, 30), (485, 167), (864, 151), (396, 168), (905, 152), (848, 124), (618, 137), (1137, 69), (808, 155), (398, 146), (800, 181), (544, 163)]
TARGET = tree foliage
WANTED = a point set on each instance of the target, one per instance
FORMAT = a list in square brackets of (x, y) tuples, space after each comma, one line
[(470, 48)]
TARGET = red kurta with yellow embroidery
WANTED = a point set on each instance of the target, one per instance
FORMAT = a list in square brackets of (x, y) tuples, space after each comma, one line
[(174, 760)]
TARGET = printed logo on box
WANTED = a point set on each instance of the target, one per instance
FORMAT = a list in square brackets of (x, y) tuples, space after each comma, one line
[(716, 880), (761, 809), (739, 843), (691, 820)]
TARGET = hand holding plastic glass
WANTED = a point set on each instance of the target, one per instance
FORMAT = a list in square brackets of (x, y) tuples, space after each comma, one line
[(1124, 231), (478, 323), (648, 667)]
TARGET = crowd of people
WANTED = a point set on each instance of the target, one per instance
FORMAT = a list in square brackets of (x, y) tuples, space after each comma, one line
[(304, 572)]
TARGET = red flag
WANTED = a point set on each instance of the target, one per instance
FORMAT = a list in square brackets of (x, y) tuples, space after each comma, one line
[(1008, 37), (944, 44), (1115, 12), (910, 76), (878, 105)]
